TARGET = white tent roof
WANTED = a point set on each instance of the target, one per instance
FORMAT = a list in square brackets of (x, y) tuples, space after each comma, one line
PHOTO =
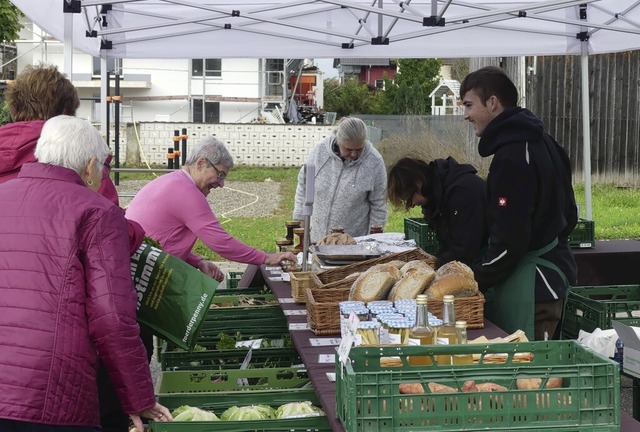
[(341, 28)]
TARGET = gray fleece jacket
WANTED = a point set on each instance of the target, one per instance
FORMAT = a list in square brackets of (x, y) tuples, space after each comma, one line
[(349, 194)]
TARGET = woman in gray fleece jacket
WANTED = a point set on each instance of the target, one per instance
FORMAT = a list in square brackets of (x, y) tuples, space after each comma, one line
[(350, 183)]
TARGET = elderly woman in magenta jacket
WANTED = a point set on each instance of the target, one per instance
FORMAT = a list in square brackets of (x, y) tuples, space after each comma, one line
[(66, 295)]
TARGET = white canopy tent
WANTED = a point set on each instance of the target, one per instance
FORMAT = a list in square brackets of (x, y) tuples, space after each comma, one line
[(342, 28)]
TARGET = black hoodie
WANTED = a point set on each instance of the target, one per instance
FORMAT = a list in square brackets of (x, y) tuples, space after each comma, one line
[(530, 201), (456, 210)]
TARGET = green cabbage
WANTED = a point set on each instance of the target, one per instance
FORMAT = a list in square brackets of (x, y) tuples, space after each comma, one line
[(251, 412), (298, 409), (186, 413)]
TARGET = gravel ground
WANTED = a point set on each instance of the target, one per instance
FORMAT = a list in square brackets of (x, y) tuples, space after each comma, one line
[(239, 199)]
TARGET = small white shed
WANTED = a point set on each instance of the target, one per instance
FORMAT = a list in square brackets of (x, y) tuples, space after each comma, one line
[(444, 99)]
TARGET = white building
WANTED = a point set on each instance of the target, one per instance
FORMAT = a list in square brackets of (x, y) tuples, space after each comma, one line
[(181, 90)]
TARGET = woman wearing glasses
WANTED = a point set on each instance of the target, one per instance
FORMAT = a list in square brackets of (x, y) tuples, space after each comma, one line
[(452, 197), (177, 226)]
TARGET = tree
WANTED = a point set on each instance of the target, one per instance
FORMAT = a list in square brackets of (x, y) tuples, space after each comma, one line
[(9, 21), (416, 79), (352, 97)]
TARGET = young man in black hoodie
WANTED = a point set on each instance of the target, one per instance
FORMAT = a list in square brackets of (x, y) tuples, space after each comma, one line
[(452, 197), (531, 209)]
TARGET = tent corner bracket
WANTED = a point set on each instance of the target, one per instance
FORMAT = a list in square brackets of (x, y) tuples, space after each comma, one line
[(433, 21), (71, 6)]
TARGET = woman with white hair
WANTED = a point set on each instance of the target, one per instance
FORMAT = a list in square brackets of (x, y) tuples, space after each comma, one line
[(350, 183), (66, 295), (177, 226)]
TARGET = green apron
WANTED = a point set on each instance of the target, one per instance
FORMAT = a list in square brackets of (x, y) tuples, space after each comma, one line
[(511, 304)]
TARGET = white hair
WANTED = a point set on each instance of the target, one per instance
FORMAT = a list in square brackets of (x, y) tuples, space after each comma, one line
[(351, 129), (212, 149), (70, 142)]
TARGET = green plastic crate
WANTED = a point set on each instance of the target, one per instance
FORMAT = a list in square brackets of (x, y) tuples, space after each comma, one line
[(368, 397), (218, 402), (210, 381), (229, 358), (583, 235), (417, 229), (588, 307), (233, 278), (259, 327), (244, 291), (231, 309)]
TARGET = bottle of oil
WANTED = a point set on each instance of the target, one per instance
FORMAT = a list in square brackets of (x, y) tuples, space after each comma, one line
[(462, 359), (421, 333), (447, 332)]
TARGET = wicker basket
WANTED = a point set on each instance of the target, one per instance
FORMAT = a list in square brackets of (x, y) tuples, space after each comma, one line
[(469, 309), (323, 310), (335, 278), (300, 281)]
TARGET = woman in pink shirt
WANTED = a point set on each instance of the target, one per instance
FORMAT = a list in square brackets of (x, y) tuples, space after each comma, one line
[(177, 226)]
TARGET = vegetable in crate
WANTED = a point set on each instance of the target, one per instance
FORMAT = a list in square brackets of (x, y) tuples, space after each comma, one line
[(298, 409), (250, 412), (187, 413)]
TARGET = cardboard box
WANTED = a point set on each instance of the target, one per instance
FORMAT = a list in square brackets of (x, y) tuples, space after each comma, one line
[(631, 355)]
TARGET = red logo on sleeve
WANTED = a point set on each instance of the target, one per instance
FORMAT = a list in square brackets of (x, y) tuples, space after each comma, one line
[(502, 202)]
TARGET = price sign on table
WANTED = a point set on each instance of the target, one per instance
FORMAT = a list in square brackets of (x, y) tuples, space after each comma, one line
[(347, 341)]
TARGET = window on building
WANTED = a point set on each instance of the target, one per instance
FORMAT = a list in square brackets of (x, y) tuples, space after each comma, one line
[(207, 113), (113, 65), (208, 67), (380, 84)]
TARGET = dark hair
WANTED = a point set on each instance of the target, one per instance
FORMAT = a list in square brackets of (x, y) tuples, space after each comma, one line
[(491, 81), (40, 93), (402, 179)]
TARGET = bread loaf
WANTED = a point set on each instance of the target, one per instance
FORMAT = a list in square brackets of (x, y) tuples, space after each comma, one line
[(413, 282), (455, 284), (393, 271), (336, 239), (455, 267), (424, 266), (397, 263), (371, 285)]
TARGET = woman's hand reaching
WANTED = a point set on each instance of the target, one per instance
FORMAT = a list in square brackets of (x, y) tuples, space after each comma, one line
[(279, 257), (210, 269), (156, 413)]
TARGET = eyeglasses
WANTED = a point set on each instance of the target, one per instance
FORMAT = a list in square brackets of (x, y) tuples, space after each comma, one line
[(221, 174)]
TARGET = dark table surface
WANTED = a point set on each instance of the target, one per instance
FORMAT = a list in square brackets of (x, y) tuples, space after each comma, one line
[(319, 360), (609, 262)]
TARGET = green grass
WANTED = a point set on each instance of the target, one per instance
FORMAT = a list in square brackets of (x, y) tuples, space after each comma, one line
[(616, 211)]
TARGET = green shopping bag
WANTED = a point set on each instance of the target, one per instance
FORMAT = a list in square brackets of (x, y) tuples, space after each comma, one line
[(173, 297)]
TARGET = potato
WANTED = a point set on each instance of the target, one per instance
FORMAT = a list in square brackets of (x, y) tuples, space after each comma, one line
[(411, 388), (536, 383)]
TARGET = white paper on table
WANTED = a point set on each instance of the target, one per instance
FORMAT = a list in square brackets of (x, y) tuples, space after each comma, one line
[(324, 341), (299, 326), (286, 300), (327, 358), (290, 312)]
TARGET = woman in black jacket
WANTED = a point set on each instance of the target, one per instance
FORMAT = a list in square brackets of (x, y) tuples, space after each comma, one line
[(452, 197)]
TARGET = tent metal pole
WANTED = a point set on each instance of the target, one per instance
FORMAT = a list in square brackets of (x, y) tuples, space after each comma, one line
[(586, 133), (104, 106), (68, 45)]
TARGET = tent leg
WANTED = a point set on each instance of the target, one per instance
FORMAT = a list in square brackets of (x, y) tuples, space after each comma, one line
[(586, 131)]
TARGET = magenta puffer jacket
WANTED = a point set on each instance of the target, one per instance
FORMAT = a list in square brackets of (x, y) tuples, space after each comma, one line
[(66, 298)]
